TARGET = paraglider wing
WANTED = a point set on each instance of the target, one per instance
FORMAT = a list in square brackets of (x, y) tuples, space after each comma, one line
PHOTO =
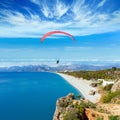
[(56, 32)]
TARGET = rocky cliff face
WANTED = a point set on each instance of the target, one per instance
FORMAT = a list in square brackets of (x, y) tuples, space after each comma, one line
[(68, 108), (61, 105), (116, 86)]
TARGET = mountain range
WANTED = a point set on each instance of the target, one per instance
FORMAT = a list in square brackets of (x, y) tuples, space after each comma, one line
[(57, 68)]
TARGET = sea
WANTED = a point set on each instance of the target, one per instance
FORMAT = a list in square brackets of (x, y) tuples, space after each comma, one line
[(31, 95)]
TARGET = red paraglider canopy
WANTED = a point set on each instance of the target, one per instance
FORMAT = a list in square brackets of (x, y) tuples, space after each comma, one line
[(56, 32)]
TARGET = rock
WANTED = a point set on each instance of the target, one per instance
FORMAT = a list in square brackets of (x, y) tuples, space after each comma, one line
[(116, 86), (92, 92), (93, 84), (62, 105), (116, 100), (69, 108)]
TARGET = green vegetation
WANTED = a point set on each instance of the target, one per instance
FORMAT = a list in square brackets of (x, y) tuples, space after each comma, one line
[(93, 84), (100, 118), (76, 111), (78, 97), (101, 110), (114, 68), (109, 96), (72, 109), (116, 100), (108, 87), (113, 73), (107, 74), (65, 103), (112, 117), (71, 115), (88, 104)]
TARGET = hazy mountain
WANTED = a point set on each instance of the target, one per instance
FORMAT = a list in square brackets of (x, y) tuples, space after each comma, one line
[(42, 68)]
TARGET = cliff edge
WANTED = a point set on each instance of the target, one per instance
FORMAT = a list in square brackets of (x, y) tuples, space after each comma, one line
[(68, 108)]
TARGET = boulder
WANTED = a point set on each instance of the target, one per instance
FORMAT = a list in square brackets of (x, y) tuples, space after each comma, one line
[(116, 86), (92, 92)]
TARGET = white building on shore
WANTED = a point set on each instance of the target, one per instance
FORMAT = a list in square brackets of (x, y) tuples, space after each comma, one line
[(106, 82)]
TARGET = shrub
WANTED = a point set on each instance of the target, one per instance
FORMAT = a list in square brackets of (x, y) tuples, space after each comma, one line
[(116, 100), (80, 108), (93, 84), (88, 104), (91, 105), (108, 87), (114, 68), (109, 96), (112, 117), (100, 118), (78, 97), (63, 104), (71, 115), (101, 110)]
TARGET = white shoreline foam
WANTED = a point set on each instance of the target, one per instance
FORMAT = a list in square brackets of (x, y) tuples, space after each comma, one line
[(83, 86)]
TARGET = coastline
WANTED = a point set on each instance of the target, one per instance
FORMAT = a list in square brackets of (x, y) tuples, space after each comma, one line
[(83, 86)]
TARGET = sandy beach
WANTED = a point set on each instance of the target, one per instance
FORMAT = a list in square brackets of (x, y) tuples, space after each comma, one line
[(83, 86)]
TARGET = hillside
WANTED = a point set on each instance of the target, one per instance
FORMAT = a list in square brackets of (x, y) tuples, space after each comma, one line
[(113, 73), (108, 108), (68, 108), (111, 91)]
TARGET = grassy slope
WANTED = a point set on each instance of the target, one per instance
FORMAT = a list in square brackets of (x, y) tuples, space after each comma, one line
[(113, 74)]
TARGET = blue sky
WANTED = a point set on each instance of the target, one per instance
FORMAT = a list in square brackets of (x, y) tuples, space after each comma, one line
[(95, 24)]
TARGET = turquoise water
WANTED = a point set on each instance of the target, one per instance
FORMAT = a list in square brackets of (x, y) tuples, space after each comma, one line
[(31, 96)]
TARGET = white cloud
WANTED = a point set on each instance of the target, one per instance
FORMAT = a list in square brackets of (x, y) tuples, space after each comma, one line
[(22, 26), (82, 21), (46, 10), (37, 2), (60, 9), (102, 2), (76, 6)]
